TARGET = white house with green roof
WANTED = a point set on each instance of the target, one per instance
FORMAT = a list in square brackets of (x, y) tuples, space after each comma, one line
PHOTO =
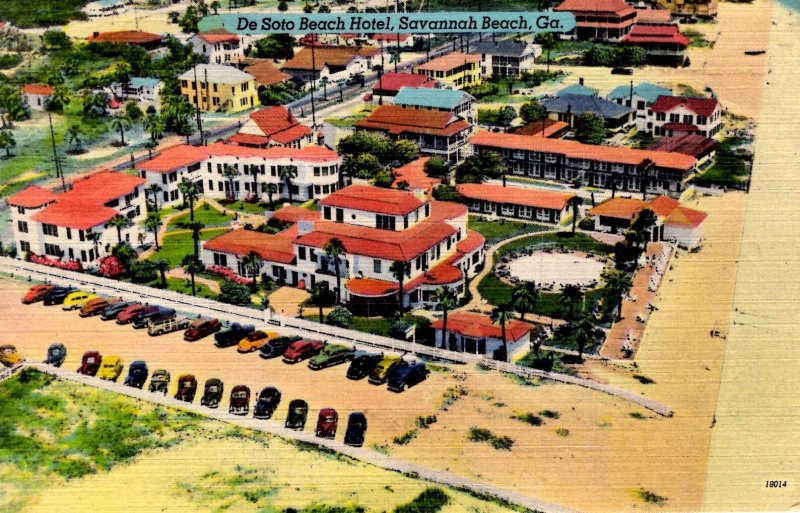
[(457, 102), (578, 89), (639, 98), (145, 91)]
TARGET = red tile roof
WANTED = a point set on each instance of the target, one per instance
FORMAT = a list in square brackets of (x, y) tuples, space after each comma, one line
[(75, 214), (273, 248), (374, 199), (41, 89), (214, 38), (475, 240), (330, 55), (683, 216), (292, 134), (690, 144), (701, 106), (414, 175), (644, 34), (266, 73), (618, 208), (279, 124), (442, 274), (480, 326), (618, 7), (449, 61), (551, 128), (667, 209), (292, 214), (681, 127), (394, 81), (663, 205), (653, 15), (515, 195), (396, 120), (258, 141), (575, 149), (370, 287), (131, 37), (31, 197)]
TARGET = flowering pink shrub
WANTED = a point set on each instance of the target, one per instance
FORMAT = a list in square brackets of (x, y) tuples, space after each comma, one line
[(69, 265), (111, 267), (229, 274)]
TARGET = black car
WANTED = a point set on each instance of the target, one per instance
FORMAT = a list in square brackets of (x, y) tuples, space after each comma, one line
[(356, 427), (622, 71), (296, 418), (57, 295), (111, 311), (362, 365), (231, 336), (159, 313), (267, 403), (277, 346), (402, 378)]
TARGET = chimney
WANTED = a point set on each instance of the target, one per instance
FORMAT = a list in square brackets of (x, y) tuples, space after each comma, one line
[(304, 227), (580, 80), (95, 34)]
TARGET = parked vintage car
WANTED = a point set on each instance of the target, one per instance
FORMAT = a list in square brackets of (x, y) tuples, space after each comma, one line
[(56, 354), (240, 400), (267, 403), (331, 354), (36, 294), (161, 325), (110, 369), (407, 376), (253, 341), (200, 328), (76, 300), (128, 314), (95, 306), (212, 393), (90, 363), (298, 412), (233, 334), (9, 356), (381, 372), (137, 374), (143, 317), (327, 422), (187, 388), (362, 365), (277, 346), (159, 381), (301, 350), (356, 427), (112, 311), (56, 295)]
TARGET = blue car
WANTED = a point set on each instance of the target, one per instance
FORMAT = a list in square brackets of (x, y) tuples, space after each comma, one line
[(404, 377), (137, 374)]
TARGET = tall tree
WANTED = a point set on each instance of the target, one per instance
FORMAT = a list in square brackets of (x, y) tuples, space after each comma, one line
[(119, 222), (271, 189), (192, 266), (501, 315), (524, 298), (548, 42), (153, 189), (154, 125), (7, 141), (230, 173), (399, 270), (646, 169), (571, 295), (120, 123), (321, 297), (335, 249), (446, 299), (153, 223), (252, 263), (585, 331), (617, 284), (162, 266), (286, 173), (74, 136), (575, 203), (94, 238)]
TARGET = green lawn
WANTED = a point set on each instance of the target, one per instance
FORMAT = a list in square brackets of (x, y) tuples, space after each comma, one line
[(556, 357), (248, 207), (728, 170), (374, 325), (697, 39), (207, 216), (495, 231), (185, 287), (347, 121), (42, 13), (580, 242), (178, 245)]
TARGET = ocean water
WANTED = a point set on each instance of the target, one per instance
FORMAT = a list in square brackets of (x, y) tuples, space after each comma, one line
[(791, 4)]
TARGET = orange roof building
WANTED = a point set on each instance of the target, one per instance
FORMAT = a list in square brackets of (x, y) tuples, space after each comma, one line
[(146, 40), (455, 69), (477, 334), (273, 126), (414, 177), (333, 62), (624, 169), (607, 20), (516, 202), (266, 74)]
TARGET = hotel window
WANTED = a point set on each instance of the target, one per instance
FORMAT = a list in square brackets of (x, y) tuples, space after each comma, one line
[(316, 171), (24, 246), (52, 250), (312, 255), (50, 229), (81, 235), (22, 226), (661, 116), (384, 222), (220, 259), (215, 88), (376, 266), (688, 119), (210, 185), (301, 253), (21, 210), (184, 83), (326, 212), (427, 209), (69, 233), (674, 118)]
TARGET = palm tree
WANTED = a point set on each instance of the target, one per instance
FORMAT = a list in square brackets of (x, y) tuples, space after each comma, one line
[(162, 266), (73, 136), (119, 222), (94, 238), (120, 123), (173, 16), (524, 297), (571, 295), (271, 189), (548, 43), (195, 228), (334, 249), (617, 284), (319, 296), (286, 173), (189, 191), (230, 173), (501, 315), (7, 141), (399, 270), (192, 265), (574, 202), (215, 5), (641, 226), (645, 170), (251, 262), (254, 185), (154, 125), (446, 299), (153, 223), (585, 331), (323, 81), (153, 189)]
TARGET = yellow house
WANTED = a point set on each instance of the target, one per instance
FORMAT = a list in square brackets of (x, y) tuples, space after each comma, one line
[(454, 69), (702, 8), (218, 88)]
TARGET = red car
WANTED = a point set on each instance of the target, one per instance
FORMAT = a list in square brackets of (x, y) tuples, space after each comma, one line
[(301, 350), (36, 293), (126, 316), (201, 328), (327, 422), (90, 363)]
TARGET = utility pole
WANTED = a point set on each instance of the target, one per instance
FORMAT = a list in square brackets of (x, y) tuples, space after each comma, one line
[(380, 77), (197, 105), (208, 105), (59, 170), (313, 86)]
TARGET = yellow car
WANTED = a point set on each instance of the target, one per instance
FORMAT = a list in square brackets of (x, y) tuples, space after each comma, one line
[(9, 356), (76, 300), (110, 369), (255, 340)]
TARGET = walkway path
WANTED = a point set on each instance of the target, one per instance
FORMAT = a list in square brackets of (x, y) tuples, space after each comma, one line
[(178, 272), (241, 217)]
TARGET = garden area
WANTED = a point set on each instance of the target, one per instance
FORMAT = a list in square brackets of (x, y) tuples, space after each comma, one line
[(205, 215), (495, 231), (176, 246), (728, 169)]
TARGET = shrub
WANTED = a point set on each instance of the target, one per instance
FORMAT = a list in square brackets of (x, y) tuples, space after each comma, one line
[(430, 501), (587, 223), (484, 435), (111, 267), (562, 432), (528, 418), (70, 265), (648, 496), (644, 380), (425, 422), (9, 60), (405, 437), (234, 294), (451, 395), (550, 414), (339, 316)]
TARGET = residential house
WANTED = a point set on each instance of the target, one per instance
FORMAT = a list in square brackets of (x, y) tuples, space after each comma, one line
[(145, 91), (266, 74), (702, 148), (331, 62), (454, 69), (516, 202), (566, 107), (57, 225), (662, 43), (674, 223), (436, 132), (475, 333), (36, 96), (691, 8), (218, 48), (670, 114), (545, 127), (272, 126), (454, 101), (580, 89), (232, 171), (623, 169), (376, 227), (218, 88), (389, 84), (146, 40), (602, 20), (100, 8), (402, 40), (639, 98), (653, 17), (414, 177), (505, 57)]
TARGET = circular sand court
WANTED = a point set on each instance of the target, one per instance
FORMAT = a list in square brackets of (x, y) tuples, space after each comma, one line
[(556, 269)]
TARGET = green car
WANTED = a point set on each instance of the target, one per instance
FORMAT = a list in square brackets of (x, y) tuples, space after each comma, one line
[(331, 354), (381, 372)]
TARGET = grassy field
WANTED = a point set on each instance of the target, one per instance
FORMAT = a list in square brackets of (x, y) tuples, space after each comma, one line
[(247, 207), (177, 245), (347, 121), (502, 229), (185, 287), (208, 216), (42, 12), (728, 170)]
